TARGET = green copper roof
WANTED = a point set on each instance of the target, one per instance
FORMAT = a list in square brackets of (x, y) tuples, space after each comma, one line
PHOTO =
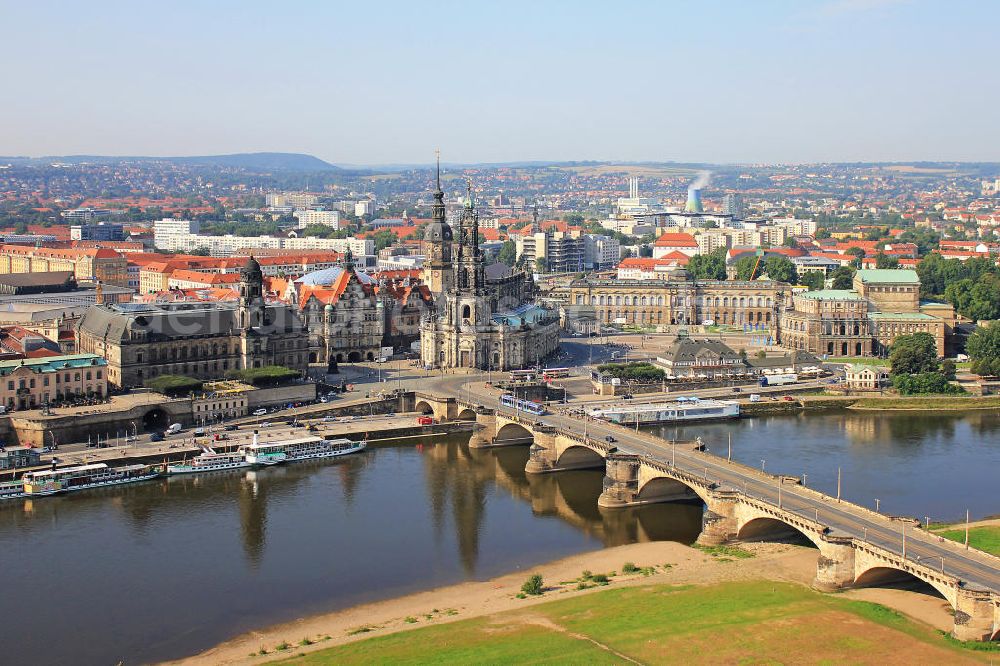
[(910, 316), (52, 363), (832, 295), (888, 275)]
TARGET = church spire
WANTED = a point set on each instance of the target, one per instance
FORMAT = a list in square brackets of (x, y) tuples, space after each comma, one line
[(438, 213)]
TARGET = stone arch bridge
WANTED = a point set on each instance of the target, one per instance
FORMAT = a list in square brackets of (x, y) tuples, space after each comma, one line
[(845, 560)]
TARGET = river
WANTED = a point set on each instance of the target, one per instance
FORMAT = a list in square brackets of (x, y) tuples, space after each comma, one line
[(170, 567)]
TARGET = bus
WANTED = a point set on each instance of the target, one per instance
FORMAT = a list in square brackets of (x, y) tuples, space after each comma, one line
[(523, 375), (509, 400), (554, 373)]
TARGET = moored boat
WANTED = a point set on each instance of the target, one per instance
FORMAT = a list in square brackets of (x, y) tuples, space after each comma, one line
[(82, 477), (312, 448), (304, 448), (11, 489), (209, 461)]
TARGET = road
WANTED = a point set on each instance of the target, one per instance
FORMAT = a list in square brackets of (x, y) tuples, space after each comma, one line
[(970, 566)]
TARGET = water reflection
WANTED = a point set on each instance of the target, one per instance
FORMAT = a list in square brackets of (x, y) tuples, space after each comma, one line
[(253, 549), (934, 464)]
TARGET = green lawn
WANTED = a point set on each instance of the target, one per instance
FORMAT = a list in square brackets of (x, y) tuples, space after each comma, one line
[(862, 360), (982, 538), (742, 622)]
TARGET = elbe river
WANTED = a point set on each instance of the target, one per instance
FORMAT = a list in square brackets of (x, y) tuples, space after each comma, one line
[(170, 567)]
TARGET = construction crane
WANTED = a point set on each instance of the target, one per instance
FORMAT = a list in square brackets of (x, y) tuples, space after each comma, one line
[(756, 265)]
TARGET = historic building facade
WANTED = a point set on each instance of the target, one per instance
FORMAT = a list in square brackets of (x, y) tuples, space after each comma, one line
[(678, 300), (829, 321), (464, 329), (201, 340), (865, 320)]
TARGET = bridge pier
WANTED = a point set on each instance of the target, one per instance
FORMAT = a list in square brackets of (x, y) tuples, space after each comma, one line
[(484, 435), (975, 615), (719, 524), (621, 481), (835, 565)]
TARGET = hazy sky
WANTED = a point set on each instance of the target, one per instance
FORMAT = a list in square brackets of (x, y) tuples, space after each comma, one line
[(387, 82)]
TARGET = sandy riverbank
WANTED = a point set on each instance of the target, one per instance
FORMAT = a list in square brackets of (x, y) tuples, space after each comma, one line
[(689, 566)]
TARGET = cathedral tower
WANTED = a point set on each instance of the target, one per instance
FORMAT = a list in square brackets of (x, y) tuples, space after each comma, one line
[(437, 245)]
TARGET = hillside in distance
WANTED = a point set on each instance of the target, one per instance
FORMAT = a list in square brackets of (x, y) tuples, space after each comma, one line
[(248, 161)]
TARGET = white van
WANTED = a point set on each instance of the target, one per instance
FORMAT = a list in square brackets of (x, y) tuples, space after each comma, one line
[(175, 428), (260, 412), (754, 397)]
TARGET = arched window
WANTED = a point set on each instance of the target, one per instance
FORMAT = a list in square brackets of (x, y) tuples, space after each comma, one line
[(659, 300), (466, 312)]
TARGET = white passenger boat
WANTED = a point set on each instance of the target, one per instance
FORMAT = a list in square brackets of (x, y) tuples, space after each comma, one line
[(82, 477), (688, 409), (312, 448), (291, 450), (11, 489), (209, 461)]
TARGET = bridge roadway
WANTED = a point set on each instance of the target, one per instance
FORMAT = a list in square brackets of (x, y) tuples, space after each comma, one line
[(971, 566)]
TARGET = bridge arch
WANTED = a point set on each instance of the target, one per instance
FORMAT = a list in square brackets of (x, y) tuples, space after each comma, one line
[(423, 407), (513, 432), (467, 414), (667, 489), (579, 457), (886, 576), (766, 528)]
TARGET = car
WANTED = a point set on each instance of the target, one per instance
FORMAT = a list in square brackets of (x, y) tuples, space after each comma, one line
[(265, 424), (156, 437), (610, 440), (787, 397), (230, 427), (737, 389), (199, 432), (260, 412), (390, 415), (323, 400)]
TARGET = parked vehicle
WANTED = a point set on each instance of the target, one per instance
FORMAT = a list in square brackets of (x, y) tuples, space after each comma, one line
[(425, 420), (610, 440), (199, 432), (175, 428), (230, 427), (260, 412), (754, 397), (156, 437)]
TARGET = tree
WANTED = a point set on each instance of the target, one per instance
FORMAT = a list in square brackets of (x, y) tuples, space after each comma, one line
[(744, 266), (983, 347), (790, 242), (822, 233), (710, 266), (508, 253), (780, 268), (924, 383), (858, 255), (533, 586), (575, 219), (913, 354), (948, 369), (384, 239), (540, 264), (882, 261), (645, 250), (812, 279), (842, 278), (925, 238)]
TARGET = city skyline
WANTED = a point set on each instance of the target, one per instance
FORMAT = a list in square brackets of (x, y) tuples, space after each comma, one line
[(780, 82)]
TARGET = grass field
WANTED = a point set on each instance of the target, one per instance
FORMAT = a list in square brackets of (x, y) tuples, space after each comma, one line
[(742, 622), (983, 538)]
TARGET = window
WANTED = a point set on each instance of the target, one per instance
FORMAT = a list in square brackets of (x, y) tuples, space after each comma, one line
[(10, 386), (45, 381), (99, 374)]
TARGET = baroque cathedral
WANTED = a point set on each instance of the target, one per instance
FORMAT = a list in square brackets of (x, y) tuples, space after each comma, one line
[(474, 323)]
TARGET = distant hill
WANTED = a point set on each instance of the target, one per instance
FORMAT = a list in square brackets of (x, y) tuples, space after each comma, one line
[(249, 161)]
